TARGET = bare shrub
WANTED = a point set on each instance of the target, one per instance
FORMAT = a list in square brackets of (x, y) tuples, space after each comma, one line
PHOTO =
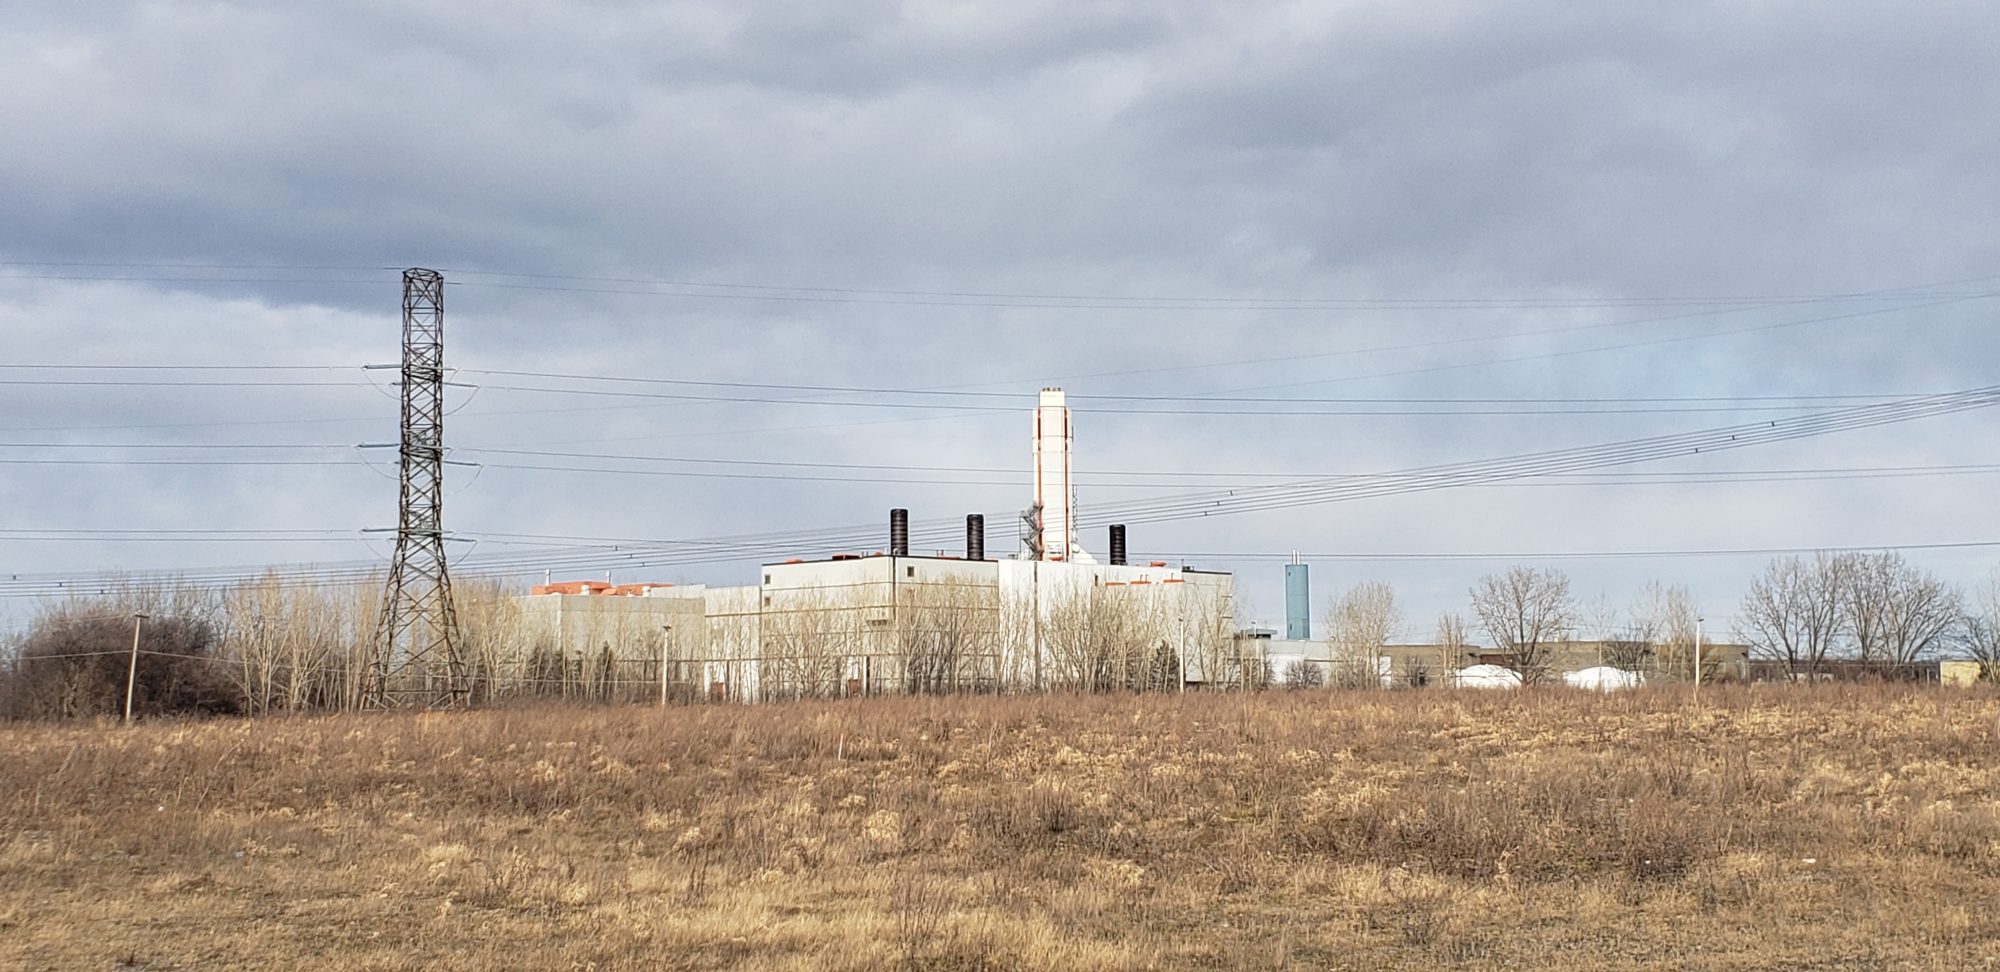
[(76, 660), (921, 903), (1304, 674)]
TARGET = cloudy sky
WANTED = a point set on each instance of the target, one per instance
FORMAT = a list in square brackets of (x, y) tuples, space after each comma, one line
[(881, 227)]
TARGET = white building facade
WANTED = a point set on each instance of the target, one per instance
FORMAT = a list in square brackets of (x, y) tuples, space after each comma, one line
[(885, 623), (1054, 618)]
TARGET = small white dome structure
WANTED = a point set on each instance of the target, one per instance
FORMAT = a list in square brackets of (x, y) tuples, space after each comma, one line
[(1604, 678), (1486, 677)]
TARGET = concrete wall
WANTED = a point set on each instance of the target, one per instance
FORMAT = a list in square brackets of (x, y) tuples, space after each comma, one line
[(607, 645)]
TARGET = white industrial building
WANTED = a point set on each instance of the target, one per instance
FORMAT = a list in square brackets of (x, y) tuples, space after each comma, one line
[(1051, 617)]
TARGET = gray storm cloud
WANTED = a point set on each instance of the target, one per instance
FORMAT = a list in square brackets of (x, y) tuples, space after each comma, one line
[(1577, 156)]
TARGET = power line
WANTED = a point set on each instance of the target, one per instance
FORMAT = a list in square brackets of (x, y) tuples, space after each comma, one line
[(100, 278), (1448, 301), (195, 266), (177, 445), (1627, 346), (181, 462), (1538, 555), (1225, 502), (1100, 480), (49, 366), (1357, 406), (962, 298), (1576, 459), (1084, 397), (173, 536), (185, 383)]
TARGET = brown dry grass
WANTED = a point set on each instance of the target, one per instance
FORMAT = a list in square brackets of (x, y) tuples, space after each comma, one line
[(1766, 828)]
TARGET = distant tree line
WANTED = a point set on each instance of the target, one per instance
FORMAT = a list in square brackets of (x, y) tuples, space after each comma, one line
[(271, 646), (1875, 611)]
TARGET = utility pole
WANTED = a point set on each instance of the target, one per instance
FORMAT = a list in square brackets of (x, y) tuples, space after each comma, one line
[(1697, 657), (1180, 654), (132, 669), (417, 645), (666, 641)]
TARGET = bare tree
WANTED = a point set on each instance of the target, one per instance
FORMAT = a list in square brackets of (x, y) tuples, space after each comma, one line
[(284, 639), (1452, 643), (948, 636), (360, 604), (1796, 612), (1896, 612), (1207, 629), (1869, 589), (1526, 611), (1105, 638), (1665, 616), (1620, 644), (1979, 628), (491, 638), (1021, 644), (1360, 623), (1072, 642), (806, 643)]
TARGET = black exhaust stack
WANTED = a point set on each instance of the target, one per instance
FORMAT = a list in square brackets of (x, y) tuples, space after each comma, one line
[(899, 533), (1118, 544), (975, 536)]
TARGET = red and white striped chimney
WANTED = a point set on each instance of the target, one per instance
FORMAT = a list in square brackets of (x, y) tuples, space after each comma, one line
[(1055, 490)]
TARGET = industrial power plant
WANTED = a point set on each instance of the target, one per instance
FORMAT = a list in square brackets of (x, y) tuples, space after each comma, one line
[(1050, 616)]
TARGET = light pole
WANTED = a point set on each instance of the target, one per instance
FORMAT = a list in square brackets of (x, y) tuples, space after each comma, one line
[(666, 641), (132, 669), (1697, 657), (1180, 659)]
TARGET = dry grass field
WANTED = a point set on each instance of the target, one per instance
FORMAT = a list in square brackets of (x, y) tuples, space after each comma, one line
[(1765, 828)]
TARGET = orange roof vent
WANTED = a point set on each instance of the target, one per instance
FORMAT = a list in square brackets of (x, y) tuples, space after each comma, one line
[(570, 587), (635, 590)]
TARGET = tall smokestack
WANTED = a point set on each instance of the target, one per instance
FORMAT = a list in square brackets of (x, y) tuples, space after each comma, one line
[(975, 536), (1118, 544), (899, 533), (1055, 490)]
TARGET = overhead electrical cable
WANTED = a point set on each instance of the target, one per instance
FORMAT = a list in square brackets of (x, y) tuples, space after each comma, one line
[(977, 298), (1624, 346), (1245, 499), (1541, 555), (1449, 301), (1577, 459), (1016, 396)]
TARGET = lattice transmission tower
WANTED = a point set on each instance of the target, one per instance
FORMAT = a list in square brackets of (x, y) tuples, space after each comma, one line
[(417, 659)]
